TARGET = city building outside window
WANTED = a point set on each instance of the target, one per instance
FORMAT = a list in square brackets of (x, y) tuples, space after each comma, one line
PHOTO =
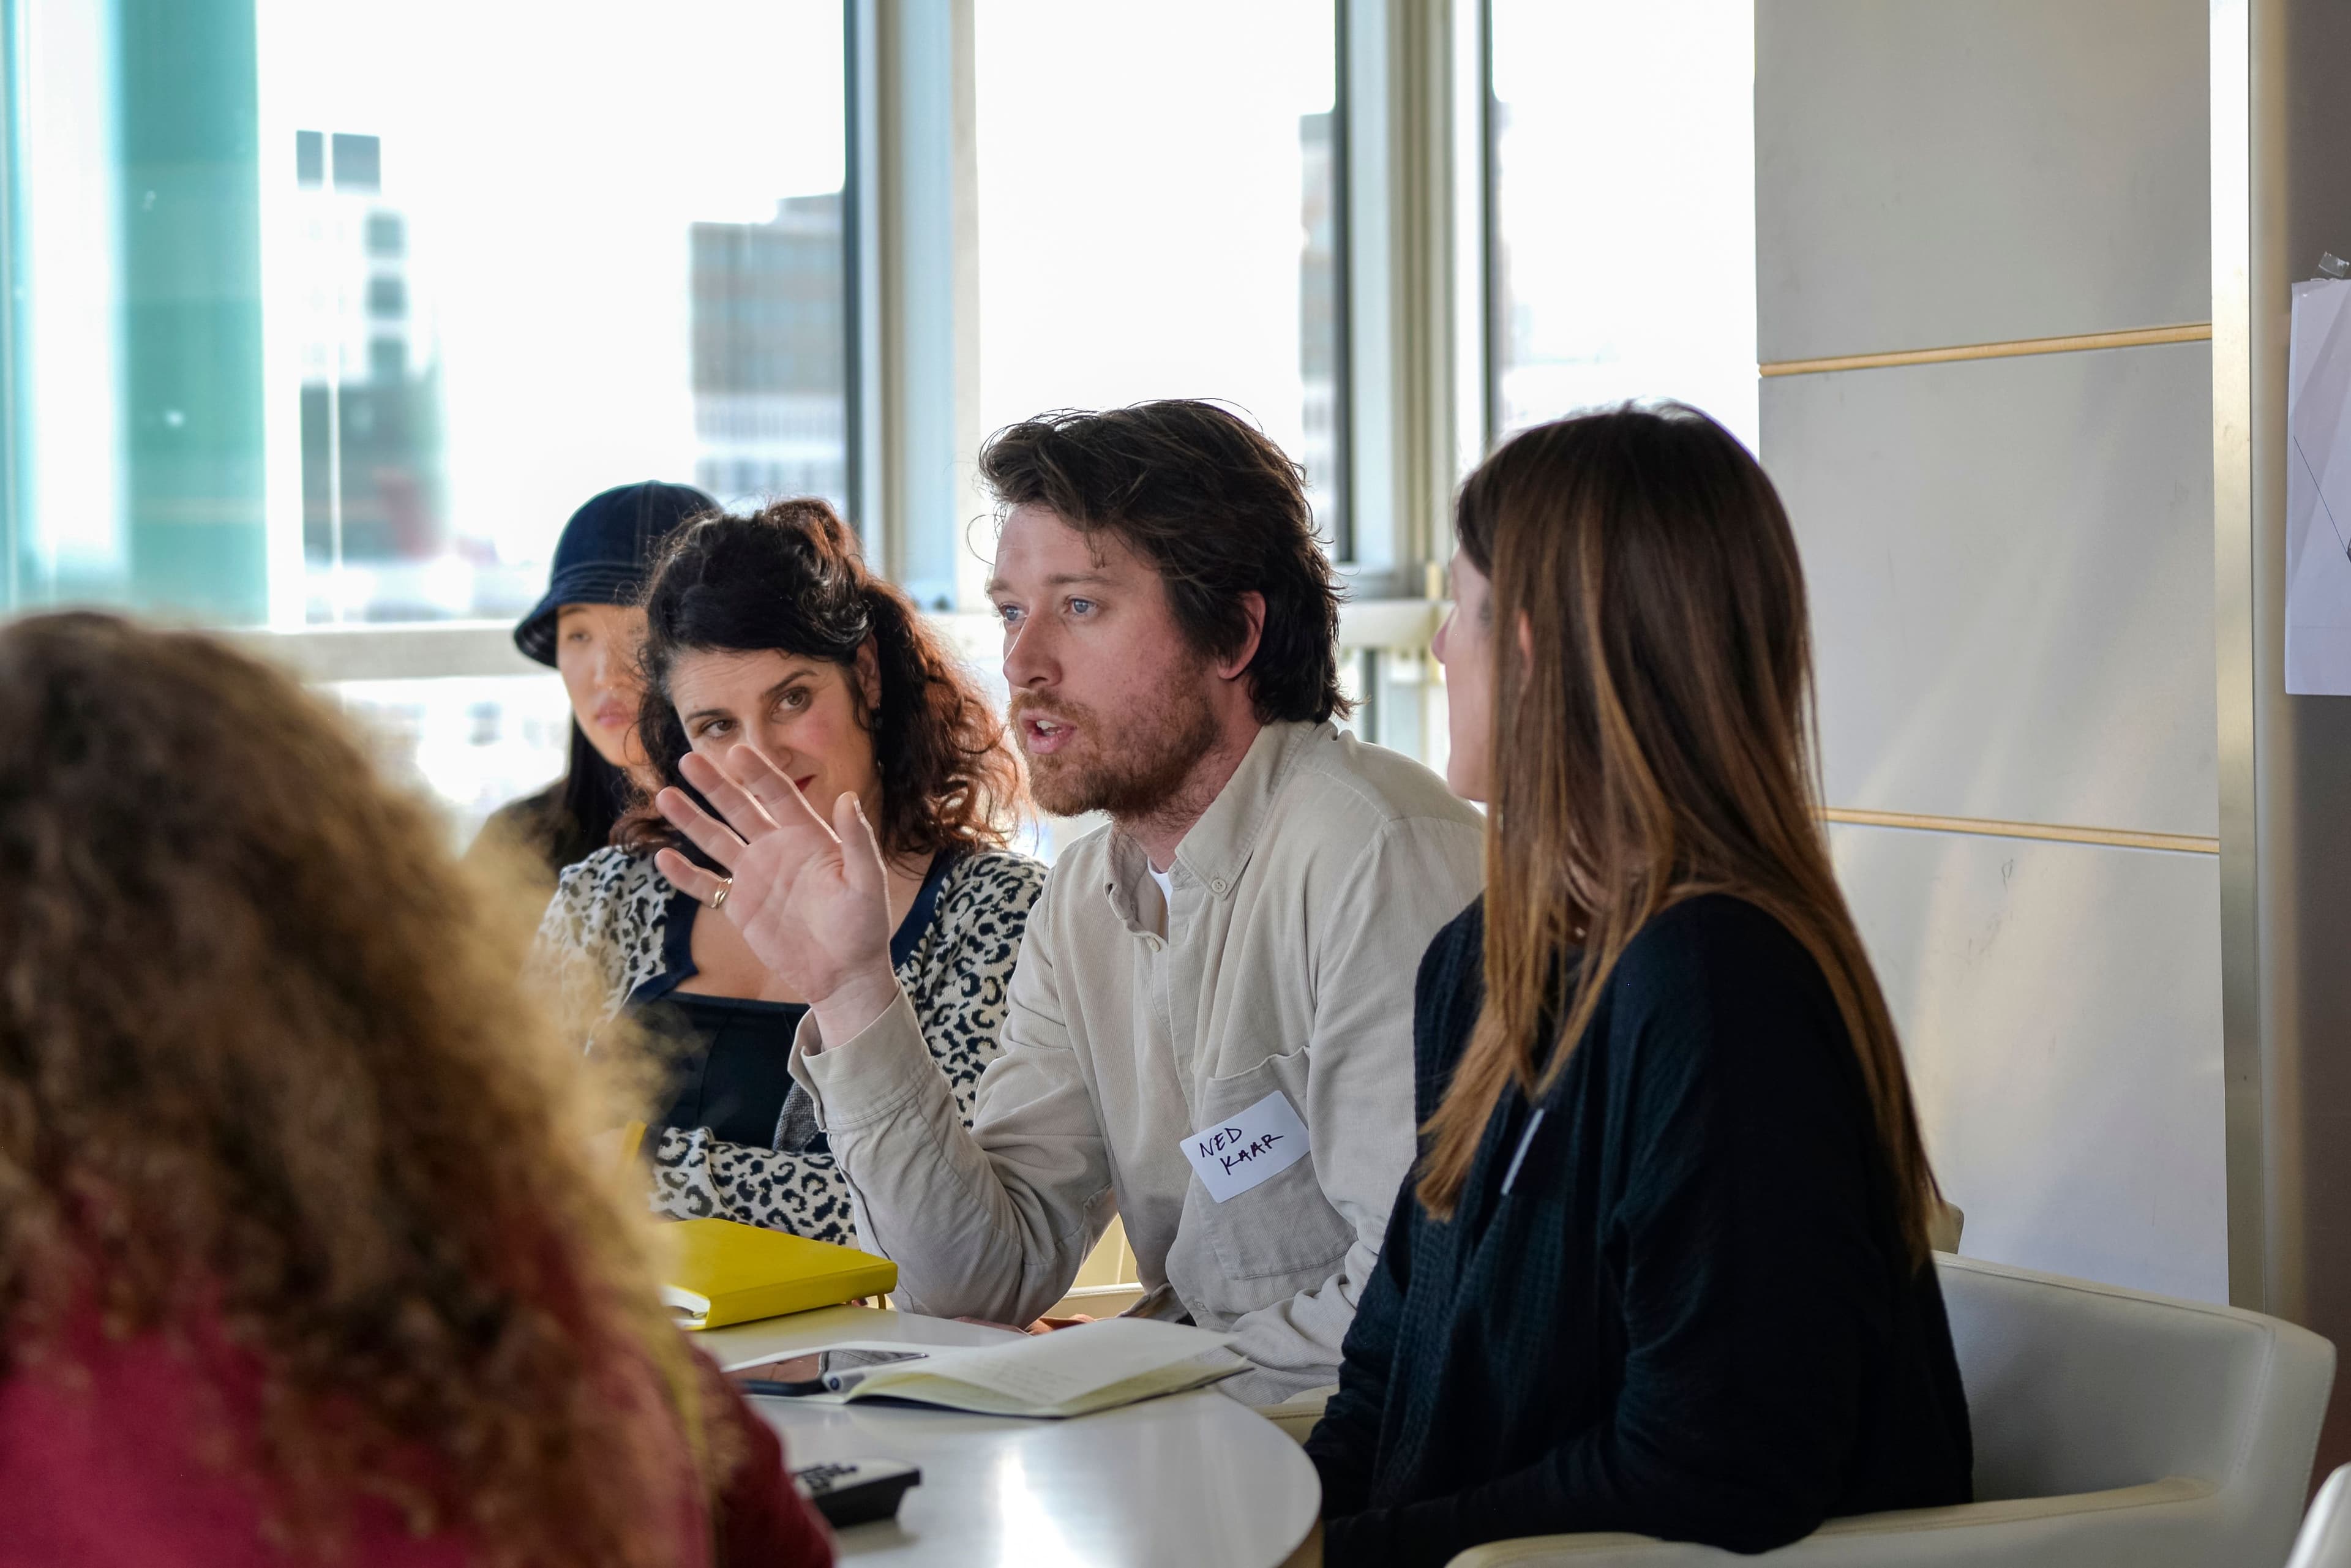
[(547, 262), (328, 313), (331, 311)]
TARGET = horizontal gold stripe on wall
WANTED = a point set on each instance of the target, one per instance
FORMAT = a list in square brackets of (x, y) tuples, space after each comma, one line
[(2113, 838), (2137, 337)]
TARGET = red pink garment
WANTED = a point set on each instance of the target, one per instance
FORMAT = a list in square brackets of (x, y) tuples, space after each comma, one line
[(126, 1452)]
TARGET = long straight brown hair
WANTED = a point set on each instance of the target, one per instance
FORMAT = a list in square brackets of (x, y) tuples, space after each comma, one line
[(1653, 742)]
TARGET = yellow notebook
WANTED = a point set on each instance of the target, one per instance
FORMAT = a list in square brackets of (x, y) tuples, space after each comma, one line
[(728, 1273)]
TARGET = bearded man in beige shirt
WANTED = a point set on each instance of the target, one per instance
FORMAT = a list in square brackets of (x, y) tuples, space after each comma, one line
[(1209, 1031)]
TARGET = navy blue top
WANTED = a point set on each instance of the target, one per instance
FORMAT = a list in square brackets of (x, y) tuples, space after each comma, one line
[(730, 1057), (1674, 1298)]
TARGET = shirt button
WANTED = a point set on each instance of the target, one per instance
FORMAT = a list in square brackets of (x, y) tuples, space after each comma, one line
[(1218, 885)]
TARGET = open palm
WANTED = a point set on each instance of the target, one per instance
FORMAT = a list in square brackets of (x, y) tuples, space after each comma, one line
[(812, 901)]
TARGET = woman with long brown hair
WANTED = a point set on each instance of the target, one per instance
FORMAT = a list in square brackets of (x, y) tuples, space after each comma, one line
[(1664, 1264), (304, 1255)]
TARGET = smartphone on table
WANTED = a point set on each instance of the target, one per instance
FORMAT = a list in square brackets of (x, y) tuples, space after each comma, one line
[(835, 1370)]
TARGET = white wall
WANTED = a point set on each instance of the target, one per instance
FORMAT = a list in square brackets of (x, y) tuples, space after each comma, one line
[(2010, 560)]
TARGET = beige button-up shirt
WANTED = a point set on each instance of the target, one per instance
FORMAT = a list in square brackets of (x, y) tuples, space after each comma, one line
[(1303, 899)]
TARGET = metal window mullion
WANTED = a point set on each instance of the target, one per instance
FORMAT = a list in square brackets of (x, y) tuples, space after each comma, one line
[(1477, 251), (860, 233), (15, 416), (919, 336), (1368, 257), (1402, 298), (1342, 295)]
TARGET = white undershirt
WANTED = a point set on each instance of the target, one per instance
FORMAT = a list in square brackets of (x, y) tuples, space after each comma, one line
[(1166, 881)]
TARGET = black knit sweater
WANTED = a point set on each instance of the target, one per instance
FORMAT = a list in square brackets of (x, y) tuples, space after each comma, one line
[(1689, 1314)]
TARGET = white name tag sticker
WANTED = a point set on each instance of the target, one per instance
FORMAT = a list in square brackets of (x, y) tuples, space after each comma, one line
[(1252, 1146)]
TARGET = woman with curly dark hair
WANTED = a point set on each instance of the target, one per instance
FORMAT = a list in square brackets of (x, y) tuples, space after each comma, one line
[(770, 629), (304, 1256)]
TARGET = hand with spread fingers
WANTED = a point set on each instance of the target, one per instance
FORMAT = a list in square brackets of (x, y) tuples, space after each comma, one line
[(813, 902)]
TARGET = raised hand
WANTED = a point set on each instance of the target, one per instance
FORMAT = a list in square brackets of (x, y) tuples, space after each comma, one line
[(813, 902)]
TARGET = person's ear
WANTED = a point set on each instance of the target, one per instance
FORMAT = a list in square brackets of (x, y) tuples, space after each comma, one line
[(868, 674), (1253, 609)]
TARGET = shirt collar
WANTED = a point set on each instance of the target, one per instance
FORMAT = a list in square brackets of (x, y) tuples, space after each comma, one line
[(1218, 848)]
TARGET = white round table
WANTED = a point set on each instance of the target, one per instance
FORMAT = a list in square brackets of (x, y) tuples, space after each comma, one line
[(1187, 1480)]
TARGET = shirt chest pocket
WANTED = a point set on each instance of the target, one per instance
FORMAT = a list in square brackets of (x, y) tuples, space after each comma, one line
[(1268, 1226)]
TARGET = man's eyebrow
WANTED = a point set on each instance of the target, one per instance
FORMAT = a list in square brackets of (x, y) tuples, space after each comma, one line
[(1058, 579)]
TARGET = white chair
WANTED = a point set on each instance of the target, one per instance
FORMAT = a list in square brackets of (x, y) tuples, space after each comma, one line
[(2325, 1538), (2113, 1429)]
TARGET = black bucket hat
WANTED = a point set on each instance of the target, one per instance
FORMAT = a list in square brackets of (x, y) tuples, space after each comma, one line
[(603, 555)]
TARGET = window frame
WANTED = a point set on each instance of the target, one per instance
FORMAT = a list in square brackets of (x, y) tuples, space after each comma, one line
[(1413, 360)]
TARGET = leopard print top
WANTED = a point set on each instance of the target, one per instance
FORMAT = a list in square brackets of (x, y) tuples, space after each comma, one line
[(606, 928)]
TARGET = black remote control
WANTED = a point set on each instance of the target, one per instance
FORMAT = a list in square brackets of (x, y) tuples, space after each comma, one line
[(856, 1491)]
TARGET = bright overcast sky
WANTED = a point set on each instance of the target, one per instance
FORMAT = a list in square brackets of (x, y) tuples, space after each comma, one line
[(1628, 201)]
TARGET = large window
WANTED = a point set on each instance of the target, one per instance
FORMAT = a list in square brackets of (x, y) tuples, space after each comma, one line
[(333, 310), (471, 742), (1623, 219), (322, 315), (1159, 215), (552, 260)]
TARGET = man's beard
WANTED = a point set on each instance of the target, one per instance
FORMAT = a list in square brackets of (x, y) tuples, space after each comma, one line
[(1130, 768)]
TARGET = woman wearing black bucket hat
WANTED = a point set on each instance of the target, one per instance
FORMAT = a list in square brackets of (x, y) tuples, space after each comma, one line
[(588, 626)]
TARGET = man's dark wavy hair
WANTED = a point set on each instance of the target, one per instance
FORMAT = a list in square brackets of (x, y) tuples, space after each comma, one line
[(789, 579), (1217, 507)]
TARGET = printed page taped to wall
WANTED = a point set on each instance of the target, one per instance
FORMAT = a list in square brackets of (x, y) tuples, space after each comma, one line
[(2318, 491)]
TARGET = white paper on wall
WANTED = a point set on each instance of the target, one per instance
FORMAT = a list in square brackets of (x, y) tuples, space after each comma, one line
[(2318, 491)]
